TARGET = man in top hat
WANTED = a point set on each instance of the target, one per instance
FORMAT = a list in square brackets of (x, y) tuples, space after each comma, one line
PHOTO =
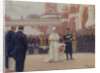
[(68, 42), (20, 47)]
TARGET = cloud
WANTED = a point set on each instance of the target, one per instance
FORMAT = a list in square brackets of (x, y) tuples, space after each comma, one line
[(17, 8)]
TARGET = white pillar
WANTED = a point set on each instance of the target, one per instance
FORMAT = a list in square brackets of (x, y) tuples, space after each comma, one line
[(91, 17), (82, 7)]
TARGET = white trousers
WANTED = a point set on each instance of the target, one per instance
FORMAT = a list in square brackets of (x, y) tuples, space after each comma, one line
[(11, 64)]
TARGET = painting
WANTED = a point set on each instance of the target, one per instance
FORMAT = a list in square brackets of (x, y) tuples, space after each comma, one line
[(48, 36)]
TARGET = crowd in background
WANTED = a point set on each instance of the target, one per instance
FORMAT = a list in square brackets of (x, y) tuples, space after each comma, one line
[(86, 43), (80, 43), (38, 44)]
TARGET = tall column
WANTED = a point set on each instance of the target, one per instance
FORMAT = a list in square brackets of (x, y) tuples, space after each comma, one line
[(73, 17), (91, 17), (82, 7)]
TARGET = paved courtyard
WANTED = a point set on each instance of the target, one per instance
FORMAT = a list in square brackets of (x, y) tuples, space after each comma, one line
[(81, 60)]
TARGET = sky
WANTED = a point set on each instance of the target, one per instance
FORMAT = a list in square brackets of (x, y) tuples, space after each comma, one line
[(17, 8)]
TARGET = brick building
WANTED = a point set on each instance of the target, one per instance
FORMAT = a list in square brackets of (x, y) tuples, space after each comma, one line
[(76, 17)]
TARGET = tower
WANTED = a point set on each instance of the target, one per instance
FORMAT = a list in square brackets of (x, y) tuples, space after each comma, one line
[(50, 11)]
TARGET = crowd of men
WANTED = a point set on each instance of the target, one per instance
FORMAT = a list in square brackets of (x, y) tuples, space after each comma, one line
[(86, 42), (35, 44)]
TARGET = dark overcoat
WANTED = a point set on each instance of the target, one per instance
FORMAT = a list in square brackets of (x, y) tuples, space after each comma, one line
[(68, 43), (8, 43), (20, 47)]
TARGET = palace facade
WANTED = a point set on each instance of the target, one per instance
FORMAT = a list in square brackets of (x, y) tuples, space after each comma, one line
[(75, 17)]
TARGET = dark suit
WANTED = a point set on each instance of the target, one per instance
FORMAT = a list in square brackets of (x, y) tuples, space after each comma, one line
[(68, 42), (8, 45), (20, 47)]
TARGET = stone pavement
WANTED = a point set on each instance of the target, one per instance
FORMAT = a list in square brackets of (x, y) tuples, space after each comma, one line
[(81, 60)]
